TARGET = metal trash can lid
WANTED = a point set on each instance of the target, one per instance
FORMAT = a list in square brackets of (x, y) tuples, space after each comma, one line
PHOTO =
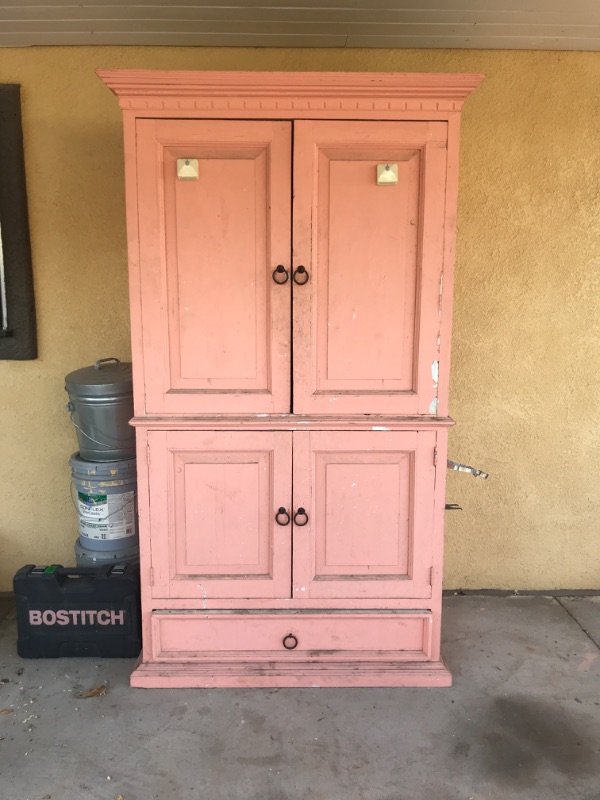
[(106, 376)]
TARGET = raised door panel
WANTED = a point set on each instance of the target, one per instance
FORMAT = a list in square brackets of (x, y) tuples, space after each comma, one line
[(213, 501), (216, 328), (369, 498), (367, 321)]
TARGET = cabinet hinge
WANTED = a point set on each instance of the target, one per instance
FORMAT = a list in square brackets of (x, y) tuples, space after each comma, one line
[(435, 457), (431, 576), (151, 576), (148, 454)]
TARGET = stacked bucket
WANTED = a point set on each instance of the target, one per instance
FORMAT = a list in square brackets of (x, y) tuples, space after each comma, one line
[(104, 483)]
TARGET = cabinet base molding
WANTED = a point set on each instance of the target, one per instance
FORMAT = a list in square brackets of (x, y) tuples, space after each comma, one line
[(314, 674)]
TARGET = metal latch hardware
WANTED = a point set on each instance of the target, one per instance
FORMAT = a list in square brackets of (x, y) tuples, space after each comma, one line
[(465, 468)]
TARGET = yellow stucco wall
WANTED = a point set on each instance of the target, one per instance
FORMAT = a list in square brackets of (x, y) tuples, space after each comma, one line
[(526, 376)]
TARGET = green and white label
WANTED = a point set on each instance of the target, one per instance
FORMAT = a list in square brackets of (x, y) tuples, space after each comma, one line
[(106, 516)]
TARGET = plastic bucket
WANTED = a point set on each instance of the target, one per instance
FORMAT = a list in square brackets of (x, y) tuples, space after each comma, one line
[(105, 497), (101, 405), (86, 557)]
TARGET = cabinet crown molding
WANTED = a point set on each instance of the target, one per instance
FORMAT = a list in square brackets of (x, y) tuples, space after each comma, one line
[(297, 91)]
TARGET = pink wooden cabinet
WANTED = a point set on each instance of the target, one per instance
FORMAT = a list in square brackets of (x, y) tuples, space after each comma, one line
[(291, 244)]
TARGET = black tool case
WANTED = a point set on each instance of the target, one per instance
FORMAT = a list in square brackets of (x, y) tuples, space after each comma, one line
[(78, 611)]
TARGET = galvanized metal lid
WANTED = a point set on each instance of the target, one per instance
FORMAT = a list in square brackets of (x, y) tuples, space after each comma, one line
[(107, 376)]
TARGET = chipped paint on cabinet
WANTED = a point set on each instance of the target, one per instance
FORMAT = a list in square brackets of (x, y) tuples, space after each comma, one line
[(291, 357), (366, 323)]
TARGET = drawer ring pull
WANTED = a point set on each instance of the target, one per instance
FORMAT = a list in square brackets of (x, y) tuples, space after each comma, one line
[(290, 641), (300, 513), (281, 275), (282, 513), (300, 276)]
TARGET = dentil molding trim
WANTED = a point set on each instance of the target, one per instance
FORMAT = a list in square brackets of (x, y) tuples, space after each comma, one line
[(146, 90)]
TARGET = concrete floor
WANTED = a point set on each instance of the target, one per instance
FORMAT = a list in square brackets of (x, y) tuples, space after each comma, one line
[(522, 721)]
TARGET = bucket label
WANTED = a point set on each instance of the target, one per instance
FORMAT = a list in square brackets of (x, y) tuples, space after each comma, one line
[(107, 517)]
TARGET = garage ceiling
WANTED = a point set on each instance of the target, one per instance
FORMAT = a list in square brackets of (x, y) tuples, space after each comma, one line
[(495, 24)]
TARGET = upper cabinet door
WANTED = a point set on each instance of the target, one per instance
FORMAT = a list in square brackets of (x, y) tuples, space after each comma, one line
[(367, 320), (214, 222)]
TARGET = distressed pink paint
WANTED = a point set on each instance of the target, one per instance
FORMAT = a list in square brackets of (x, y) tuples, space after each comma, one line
[(213, 532), (366, 326), (369, 498), (240, 587), (376, 637), (216, 328)]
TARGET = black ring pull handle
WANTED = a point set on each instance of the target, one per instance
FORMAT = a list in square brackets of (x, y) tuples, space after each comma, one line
[(281, 275), (282, 513), (300, 513), (290, 642), (304, 276)]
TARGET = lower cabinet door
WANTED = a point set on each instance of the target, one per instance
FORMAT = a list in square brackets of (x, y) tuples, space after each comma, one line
[(363, 521), (369, 634), (213, 503), (229, 518)]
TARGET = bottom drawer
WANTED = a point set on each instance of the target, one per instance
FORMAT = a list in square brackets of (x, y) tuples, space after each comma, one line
[(188, 636)]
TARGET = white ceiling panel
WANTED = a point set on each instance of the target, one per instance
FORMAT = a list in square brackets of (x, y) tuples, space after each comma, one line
[(495, 24)]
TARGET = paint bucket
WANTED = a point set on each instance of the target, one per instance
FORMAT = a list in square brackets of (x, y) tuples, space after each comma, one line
[(105, 497), (101, 405), (86, 557)]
